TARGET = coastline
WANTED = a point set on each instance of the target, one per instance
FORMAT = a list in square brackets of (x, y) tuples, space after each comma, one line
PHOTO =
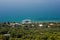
[(47, 21), (33, 21)]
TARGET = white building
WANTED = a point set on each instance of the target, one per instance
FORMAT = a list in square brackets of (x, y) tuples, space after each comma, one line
[(26, 21), (40, 25), (51, 24), (13, 24), (6, 34)]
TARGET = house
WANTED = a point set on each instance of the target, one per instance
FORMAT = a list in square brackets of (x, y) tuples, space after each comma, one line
[(40, 25)]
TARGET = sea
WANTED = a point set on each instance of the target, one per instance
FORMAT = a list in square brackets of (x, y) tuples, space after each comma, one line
[(35, 10)]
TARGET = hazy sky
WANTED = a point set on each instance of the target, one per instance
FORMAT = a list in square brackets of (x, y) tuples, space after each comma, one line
[(29, 9)]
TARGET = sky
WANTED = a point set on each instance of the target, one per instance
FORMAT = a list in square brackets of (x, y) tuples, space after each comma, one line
[(16, 10)]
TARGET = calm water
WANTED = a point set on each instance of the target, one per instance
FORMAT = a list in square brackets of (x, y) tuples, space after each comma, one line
[(36, 10)]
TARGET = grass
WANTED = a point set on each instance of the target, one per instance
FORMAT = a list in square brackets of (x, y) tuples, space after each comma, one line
[(30, 33)]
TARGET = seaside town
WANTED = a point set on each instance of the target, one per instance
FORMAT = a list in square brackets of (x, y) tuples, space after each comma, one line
[(29, 23), (29, 19), (28, 30)]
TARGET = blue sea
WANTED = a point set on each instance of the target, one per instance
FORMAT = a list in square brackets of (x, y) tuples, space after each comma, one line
[(36, 10)]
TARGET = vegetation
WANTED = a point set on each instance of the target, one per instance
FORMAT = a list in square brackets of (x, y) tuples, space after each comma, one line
[(28, 32)]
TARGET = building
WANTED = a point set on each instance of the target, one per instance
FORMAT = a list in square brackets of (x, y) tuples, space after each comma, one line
[(26, 21)]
